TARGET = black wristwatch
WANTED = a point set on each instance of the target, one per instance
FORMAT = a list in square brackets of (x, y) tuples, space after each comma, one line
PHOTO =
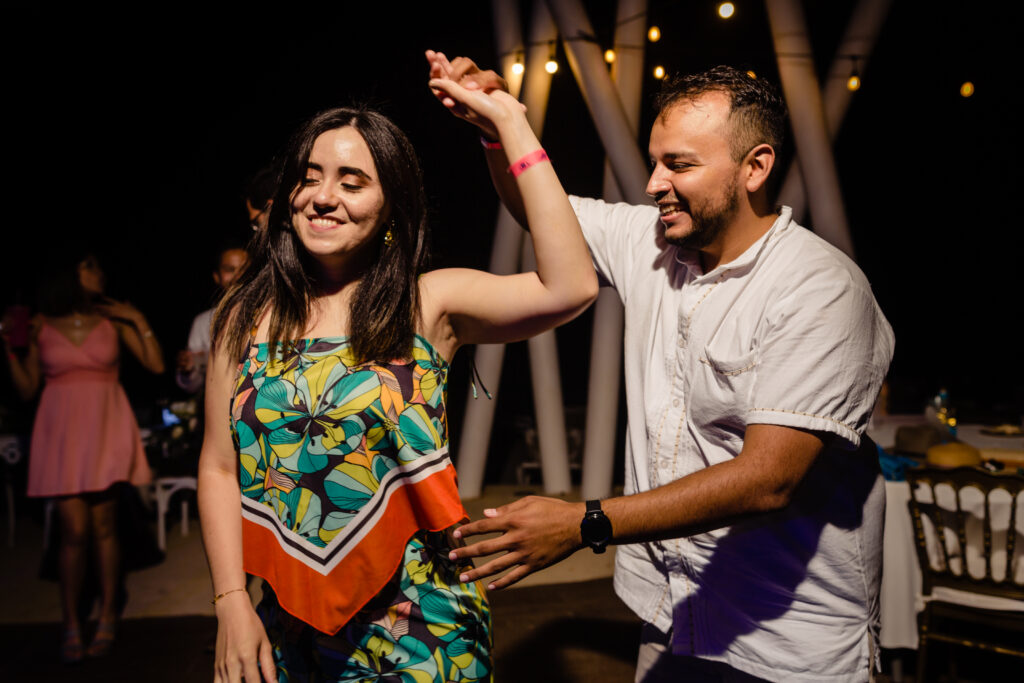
[(596, 529)]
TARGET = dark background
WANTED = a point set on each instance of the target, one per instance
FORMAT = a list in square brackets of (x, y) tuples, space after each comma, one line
[(138, 130)]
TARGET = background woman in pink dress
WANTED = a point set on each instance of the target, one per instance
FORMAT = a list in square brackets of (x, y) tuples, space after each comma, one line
[(85, 438)]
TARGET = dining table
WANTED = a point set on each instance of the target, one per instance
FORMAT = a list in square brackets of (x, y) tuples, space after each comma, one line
[(901, 597)]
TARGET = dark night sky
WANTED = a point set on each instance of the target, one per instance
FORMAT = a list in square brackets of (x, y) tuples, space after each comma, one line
[(138, 132)]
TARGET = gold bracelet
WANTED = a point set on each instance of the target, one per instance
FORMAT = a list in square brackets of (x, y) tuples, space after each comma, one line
[(218, 597)]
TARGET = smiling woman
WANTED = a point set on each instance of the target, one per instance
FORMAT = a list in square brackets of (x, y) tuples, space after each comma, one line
[(330, 364)]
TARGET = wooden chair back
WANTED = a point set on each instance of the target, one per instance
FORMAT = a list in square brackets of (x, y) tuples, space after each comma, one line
[(941, 496)]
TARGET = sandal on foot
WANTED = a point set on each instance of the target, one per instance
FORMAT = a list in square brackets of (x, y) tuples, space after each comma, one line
[(71, 649), (102, 641)]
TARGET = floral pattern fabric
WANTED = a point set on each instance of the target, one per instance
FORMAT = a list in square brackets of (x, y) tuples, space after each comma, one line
[(325, 443)]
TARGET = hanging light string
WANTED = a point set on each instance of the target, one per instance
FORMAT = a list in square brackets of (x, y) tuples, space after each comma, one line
[(551, 65), (853, 81)]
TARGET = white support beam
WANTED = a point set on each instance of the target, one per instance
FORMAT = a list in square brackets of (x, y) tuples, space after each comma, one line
[(508, 241), (807, 115), (858, 41), (508, 38), (587, 63), (606, 341)]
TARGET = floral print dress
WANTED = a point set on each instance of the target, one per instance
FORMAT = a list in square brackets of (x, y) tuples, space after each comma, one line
[(348, 499)]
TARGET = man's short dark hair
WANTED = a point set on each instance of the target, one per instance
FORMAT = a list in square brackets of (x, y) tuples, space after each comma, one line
[(231, 242), (757, 113), (262, 186)]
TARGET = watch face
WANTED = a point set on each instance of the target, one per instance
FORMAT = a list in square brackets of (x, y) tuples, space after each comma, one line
[(596, 529)]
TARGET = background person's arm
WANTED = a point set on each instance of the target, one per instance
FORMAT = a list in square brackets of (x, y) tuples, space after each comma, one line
[(136, 333)]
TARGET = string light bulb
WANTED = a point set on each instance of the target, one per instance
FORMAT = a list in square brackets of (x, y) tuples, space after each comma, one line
[(659, 72), (551, 66), (967, 89), (853, 82), (609, 56), (752, 74), (726, 10), (654, 34), (517, 66)]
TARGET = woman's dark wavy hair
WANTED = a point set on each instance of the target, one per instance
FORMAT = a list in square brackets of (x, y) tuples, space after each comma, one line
[(60, 291), (280, 274)]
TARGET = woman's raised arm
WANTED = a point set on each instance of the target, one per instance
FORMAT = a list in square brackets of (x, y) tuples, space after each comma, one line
[(485, 308)]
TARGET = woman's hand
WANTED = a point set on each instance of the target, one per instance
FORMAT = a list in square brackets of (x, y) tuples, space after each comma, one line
[(135, 332), (465, 73), (488, 110), (120, 310), (243, 649)]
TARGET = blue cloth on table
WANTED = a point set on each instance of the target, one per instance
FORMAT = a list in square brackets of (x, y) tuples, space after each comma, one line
[(893, 465)]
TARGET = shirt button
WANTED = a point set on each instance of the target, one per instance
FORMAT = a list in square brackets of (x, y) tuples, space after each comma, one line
[(675, 402), (682, 342)]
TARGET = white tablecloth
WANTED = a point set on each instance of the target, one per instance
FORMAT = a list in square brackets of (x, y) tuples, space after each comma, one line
[(901, 577)]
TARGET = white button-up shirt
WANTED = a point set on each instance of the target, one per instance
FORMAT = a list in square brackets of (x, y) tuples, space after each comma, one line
[(788, 334)]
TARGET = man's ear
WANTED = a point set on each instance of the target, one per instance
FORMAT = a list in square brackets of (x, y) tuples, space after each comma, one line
[(758, 166)]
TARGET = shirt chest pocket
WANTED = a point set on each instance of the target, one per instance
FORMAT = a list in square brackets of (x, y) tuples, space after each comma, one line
[(723, 387)]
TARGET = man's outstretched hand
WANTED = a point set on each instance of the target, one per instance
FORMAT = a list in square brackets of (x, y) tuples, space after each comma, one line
[(535, 533)]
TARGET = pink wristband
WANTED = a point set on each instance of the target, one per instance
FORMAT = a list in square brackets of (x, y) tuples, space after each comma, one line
[(535, 157), (490, 144)]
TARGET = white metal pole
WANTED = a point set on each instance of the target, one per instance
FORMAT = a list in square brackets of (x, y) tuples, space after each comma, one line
[(508, 37), (508, 237), (508, 240), (807, 114), (606, 342), (854, 50), (587, 62), (549, 410)]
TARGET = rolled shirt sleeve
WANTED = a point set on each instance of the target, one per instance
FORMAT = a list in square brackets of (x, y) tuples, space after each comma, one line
[(823, 357)]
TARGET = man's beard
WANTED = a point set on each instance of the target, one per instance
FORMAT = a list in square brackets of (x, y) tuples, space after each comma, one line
[(708, 222)]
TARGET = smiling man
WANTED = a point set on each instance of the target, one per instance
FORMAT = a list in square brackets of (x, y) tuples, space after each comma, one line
[(754, 351)]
